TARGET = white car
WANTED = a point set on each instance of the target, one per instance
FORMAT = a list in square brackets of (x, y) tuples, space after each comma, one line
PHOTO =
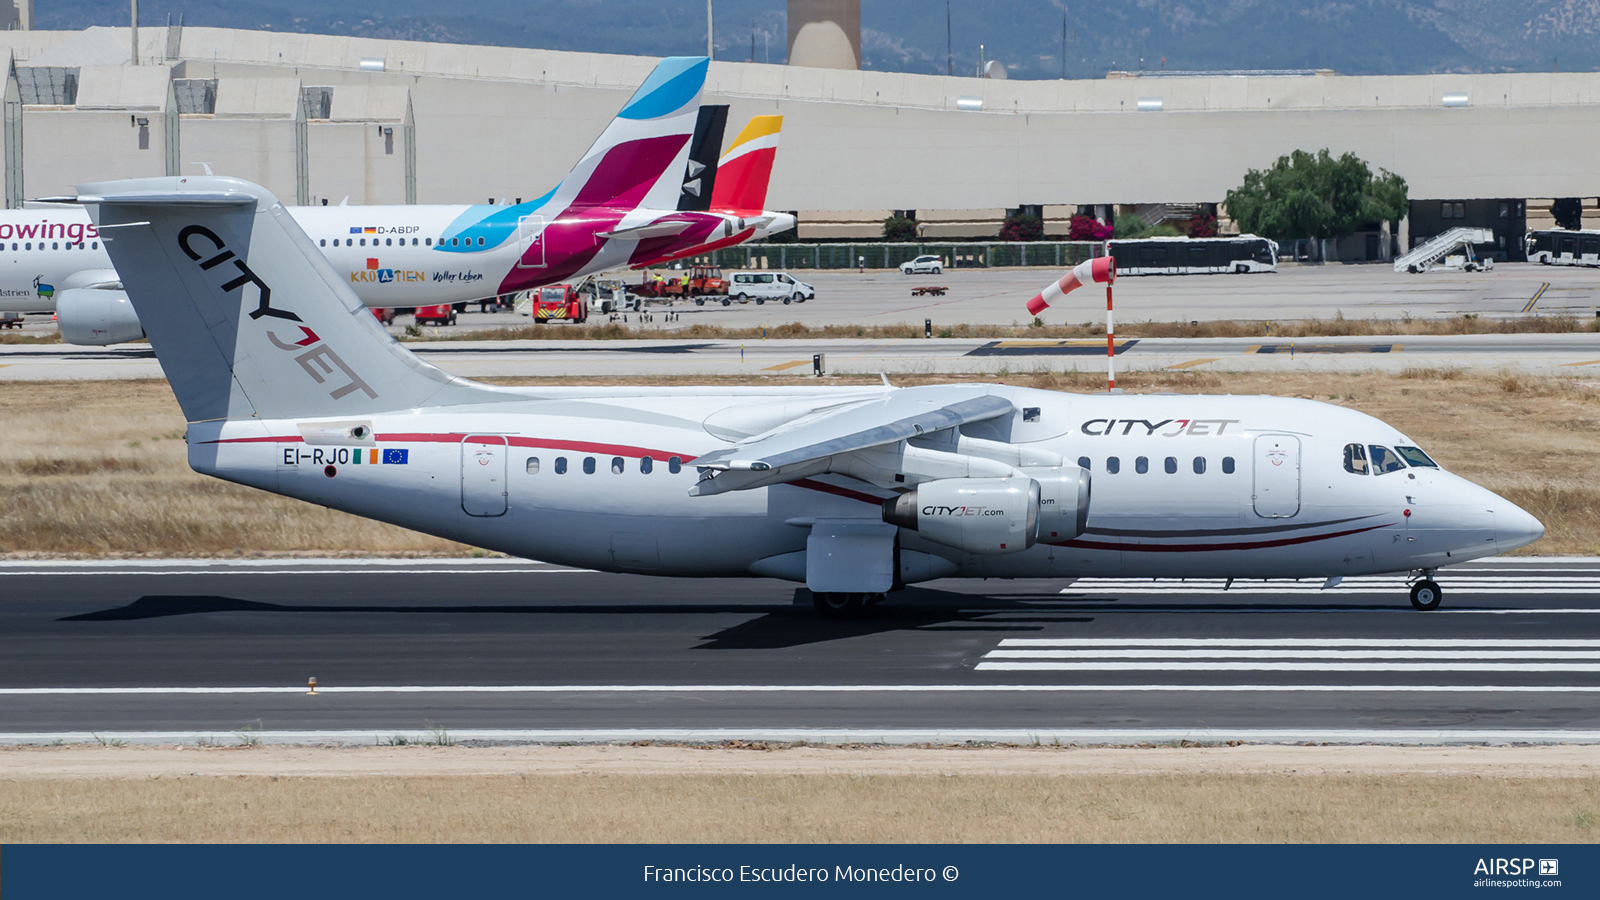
[(764, 286), (928, 264)]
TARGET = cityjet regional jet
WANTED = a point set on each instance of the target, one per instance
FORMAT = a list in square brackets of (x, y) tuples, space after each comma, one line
[(645, 193), (290, 386)]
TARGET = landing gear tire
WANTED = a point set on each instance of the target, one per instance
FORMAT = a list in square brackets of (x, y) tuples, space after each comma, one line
[(1426, 595), (840, 605), (786, 301), (760, 301), (726, 301), (699, 301)]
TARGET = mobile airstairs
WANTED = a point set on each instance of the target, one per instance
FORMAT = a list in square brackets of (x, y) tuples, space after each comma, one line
[(1440, 249)]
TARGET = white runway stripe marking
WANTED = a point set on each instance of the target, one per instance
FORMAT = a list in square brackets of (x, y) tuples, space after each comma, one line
[(809, 689), (1294, 642), (1294, 654), (1053, 666)]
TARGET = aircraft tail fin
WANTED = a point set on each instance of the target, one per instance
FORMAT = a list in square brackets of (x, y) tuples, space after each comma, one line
[(246, 316), (640, 158), (700, 179), (745, 170)]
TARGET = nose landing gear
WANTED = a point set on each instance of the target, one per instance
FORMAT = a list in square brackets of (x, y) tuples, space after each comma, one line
[(1426, 594)]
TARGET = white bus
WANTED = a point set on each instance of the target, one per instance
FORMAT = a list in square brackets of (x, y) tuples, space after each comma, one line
[(1194, 256), (1564, 248)]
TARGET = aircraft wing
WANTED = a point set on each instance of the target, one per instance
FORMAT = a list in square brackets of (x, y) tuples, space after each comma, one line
[(649, 230), (803, 448)]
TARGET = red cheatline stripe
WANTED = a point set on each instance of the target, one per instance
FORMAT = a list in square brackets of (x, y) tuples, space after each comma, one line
[(456, 438), (1198, 548), (810, 485)]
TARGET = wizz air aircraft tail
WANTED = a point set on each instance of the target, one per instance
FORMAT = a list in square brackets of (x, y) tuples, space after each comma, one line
[(290, 386)]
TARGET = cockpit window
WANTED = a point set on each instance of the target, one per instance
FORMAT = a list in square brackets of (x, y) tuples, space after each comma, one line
[(1385, 460), (1415, 456), (1355, 459)]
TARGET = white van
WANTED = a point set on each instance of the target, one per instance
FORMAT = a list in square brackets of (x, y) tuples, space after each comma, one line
[(764, 286)]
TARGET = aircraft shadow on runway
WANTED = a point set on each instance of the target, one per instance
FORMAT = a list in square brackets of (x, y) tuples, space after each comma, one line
[(771, 626)]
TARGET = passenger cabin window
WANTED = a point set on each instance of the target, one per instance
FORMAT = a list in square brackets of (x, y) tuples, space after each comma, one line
[(1355, 459), (1083, 462), (1227, 465), (324, 242), (533, 465), (1141, 464), (588, 465), (617, 465), (675, 464), (429, 242), (1385, 460), (1171, 465), (647, 465), (1199, 465), (561, 465), (1113, 465), (1415, 456)]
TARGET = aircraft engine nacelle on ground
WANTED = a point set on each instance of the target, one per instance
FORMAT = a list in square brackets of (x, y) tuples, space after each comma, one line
[(1063, 502), (99, 317), (978, 515)]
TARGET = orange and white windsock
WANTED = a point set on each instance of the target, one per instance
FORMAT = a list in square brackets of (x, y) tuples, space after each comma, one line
[(1101, 269)]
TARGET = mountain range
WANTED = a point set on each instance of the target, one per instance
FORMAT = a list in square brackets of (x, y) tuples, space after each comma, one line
[(1031, 37)]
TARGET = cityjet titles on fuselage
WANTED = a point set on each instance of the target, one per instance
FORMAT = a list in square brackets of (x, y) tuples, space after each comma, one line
[(1157, 427)]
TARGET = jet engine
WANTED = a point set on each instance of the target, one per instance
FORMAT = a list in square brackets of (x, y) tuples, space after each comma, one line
[(978, 515), (93, 316), (1063, 502)]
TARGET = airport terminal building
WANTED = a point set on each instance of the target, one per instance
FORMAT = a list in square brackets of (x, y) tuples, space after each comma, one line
[(329, 119)]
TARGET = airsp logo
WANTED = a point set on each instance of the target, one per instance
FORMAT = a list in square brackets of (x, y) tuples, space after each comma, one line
[(318, 360)]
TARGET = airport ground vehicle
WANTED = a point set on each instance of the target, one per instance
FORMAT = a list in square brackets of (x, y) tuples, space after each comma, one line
[(1194, 256), (383, 314), (696, 282), (764, 286), (933, 265), (854, 492), (1559, 247), (11, 320), (440, 314), (558, 302)]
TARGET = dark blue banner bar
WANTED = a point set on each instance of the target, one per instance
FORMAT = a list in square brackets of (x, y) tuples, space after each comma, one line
[(1231, 871)]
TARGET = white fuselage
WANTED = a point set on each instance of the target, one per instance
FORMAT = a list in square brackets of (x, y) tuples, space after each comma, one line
[(405, 260), (1287, 509)]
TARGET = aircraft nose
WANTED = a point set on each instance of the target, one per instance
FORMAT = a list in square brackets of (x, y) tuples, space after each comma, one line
[(1515, 527)]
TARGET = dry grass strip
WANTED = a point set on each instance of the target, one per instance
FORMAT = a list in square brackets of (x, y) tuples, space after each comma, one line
[(98, 468), (1296, 328), (807, 795)]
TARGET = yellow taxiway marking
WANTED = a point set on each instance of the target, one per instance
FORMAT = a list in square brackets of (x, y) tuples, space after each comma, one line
[(1193, 362), (1081, 343), (1587, 362), (788, 365), (1540, 293)]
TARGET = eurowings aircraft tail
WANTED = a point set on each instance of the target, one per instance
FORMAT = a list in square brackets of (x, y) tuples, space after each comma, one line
[(745, 170), (639, 160), (246, 315)]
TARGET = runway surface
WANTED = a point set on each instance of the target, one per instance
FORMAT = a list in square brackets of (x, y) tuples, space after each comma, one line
[(499, 649), (1572, 354)]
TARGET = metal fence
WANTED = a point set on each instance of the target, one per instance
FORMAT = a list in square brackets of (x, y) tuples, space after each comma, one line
[(1055, 254)]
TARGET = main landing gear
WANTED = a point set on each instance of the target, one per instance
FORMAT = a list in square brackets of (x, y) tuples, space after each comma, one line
[(1426, 594), (842, 605)]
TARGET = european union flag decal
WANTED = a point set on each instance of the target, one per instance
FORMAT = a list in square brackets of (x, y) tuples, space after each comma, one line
[(395, 456), (355, 229)]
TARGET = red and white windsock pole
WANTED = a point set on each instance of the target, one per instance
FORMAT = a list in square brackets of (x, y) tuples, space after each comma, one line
[(1102, 270)]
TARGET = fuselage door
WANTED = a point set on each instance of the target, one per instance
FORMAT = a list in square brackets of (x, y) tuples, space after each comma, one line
[(530, 242), (1277, 476), (483, 475)]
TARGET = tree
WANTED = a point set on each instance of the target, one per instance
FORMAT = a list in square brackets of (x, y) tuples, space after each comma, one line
[(899, 228), (1202, 225), (1307, 195), (1087, 228), (1130, 227), (1022, 227)]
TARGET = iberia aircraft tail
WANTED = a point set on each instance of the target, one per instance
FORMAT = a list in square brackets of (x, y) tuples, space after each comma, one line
[(745, 170)]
